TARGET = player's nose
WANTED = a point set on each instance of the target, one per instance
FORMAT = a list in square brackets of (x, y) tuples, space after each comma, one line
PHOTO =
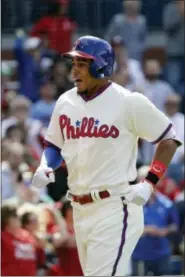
[(74, 69), (75, 72)]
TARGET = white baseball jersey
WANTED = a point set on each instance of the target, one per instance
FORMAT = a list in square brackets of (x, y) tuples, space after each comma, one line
[(98, 138)]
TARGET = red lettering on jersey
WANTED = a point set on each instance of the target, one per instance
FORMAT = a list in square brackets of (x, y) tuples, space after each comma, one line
[(104, 131), (78, 132), (96, 132), (114, 132), (83, 132), (70, 131), (63, 121), (90, 131), (86, 128)]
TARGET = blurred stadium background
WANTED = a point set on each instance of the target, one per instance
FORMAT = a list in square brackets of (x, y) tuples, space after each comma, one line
[(148, 39)]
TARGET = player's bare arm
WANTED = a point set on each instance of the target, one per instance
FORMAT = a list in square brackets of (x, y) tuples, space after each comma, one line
[(165, 151), (152, 125), (140, 194)]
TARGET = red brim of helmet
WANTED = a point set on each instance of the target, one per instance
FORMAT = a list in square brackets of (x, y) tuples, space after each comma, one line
[(78, 54)]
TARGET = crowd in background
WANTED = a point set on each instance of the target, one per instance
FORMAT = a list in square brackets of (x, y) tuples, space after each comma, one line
[(33, 80)]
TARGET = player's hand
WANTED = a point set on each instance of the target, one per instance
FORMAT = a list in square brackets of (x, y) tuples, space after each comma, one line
[(42, 177), (139, 194)]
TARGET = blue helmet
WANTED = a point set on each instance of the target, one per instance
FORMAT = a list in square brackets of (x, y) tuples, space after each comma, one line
[(99, 51)]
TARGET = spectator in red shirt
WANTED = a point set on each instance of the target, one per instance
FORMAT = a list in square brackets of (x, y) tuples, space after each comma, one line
[(169, 188), (57, 27), (65, 245), (30, 223), (18, 246)]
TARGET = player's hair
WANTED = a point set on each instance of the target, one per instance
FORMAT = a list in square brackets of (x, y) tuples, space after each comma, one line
[(7, 212)]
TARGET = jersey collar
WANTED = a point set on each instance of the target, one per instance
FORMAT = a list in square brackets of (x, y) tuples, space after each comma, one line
[(100, 91)]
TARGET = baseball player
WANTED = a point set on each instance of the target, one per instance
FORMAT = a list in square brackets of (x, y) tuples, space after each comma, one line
[(95, 128)]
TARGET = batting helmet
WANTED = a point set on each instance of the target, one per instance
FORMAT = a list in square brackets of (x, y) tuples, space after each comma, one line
[(99, 51)]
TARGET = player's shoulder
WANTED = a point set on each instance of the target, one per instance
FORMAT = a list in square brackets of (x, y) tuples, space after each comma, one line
[(136, 101), (127, 94), (137, 98), (119, 90), (127, 97)]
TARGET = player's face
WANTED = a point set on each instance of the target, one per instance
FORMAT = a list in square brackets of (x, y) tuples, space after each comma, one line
[(81, 76)]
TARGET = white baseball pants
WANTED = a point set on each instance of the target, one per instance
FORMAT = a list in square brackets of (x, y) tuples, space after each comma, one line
[(107, 232)]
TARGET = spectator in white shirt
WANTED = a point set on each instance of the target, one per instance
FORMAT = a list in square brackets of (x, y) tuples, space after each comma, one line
[(124, 64), (157, 91), (172, 105), (19, 115), (131, 26), (10, 170), (153, 87), (16, 174), (173, 25)]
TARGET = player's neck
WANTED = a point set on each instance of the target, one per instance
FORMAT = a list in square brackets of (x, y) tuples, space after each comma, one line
[(92, 91)]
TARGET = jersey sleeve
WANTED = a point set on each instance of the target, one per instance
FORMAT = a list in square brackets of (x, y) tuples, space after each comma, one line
[(147, 122), (54, 135)]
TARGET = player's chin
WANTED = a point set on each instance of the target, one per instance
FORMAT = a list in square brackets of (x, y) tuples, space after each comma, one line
[(80, 87)]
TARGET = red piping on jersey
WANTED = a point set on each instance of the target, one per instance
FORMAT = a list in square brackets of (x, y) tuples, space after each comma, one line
[(163, 134)]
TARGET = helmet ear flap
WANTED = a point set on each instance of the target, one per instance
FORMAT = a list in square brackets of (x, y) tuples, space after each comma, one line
[(96, 70)]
